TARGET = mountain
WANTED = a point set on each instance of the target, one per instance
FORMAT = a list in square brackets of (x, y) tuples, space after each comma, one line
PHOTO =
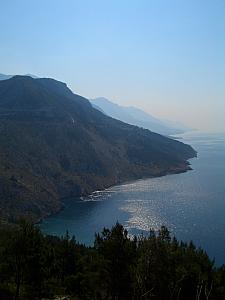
[(54, 145), (138, 117), (4, 77), (174, 124)]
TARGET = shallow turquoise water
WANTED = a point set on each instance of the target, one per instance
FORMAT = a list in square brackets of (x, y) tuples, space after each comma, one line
[(191, 205)]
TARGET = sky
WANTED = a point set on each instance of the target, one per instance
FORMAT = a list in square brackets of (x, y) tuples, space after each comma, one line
[(164, 56)]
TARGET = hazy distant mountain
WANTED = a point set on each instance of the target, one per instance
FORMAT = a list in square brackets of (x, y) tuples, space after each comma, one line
[(54, 145), (98, 108), (138, 117), (5, 77), (178, 125), (31, 75)]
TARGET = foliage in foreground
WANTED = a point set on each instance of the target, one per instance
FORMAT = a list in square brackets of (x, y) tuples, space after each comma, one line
[(34, 266)]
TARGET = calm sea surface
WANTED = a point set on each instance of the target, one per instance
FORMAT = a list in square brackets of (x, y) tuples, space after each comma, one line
[(191, 205)]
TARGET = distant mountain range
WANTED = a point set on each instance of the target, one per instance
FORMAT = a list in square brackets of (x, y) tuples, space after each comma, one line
[(5, 77), (130, 115), (54, 145), (138, 117)]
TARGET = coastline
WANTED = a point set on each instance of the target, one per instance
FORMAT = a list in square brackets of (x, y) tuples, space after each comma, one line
[(187, 167)]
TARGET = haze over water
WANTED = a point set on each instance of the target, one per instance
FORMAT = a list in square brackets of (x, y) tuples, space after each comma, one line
[(191, 205)]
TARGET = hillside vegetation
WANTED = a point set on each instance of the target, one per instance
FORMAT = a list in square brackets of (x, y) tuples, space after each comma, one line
[(33, 266)]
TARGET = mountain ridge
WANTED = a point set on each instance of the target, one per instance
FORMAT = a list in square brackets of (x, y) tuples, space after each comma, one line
[(5, 77), (136, 116), (54, 145)]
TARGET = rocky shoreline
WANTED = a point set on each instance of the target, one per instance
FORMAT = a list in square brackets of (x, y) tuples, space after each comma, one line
[(180, 170)]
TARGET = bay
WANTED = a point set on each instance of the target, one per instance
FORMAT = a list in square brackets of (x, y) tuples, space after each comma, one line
[(191, 204)]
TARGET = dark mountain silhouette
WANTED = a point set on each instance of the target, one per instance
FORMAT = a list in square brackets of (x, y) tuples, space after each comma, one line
[(138, 117), (54, 145)]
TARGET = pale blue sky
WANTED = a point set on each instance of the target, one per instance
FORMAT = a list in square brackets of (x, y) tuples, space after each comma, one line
[(165, 56)]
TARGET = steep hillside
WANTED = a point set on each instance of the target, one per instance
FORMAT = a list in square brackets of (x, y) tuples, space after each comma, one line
[(54, 145)]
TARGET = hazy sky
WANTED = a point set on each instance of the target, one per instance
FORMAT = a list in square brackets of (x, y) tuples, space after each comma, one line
[(165, 56)]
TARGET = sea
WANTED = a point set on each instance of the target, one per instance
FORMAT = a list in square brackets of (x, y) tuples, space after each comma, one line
[(191, 205)]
